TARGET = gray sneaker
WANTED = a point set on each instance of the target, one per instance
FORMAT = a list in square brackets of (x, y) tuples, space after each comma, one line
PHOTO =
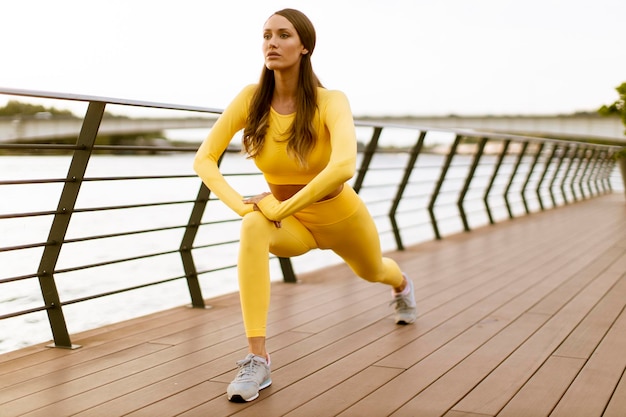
[(253, 376), (406, 307)]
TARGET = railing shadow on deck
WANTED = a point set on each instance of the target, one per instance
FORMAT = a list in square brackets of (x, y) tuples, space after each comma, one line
[(419, 183)]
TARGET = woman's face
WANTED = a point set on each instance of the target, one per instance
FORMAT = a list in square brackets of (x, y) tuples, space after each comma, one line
[(282, 47)]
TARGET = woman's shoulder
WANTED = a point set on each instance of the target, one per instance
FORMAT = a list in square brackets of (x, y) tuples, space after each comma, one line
[(248, 90), (330, 97), (325, 94), (243, 98)]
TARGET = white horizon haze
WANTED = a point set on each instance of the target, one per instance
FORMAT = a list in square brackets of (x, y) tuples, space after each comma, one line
[(391, 57)]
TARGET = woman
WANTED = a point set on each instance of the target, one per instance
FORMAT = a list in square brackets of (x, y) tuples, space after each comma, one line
[(302, 137)]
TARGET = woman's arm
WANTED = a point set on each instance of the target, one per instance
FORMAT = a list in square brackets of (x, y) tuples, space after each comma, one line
[(231, 121), (337, 117)]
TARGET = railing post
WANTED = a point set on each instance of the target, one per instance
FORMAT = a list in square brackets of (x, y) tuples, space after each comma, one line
[(368, 154), (529, 176), (578, 175), (468, 182), (518, 163), (61, 221), (590, 157), (543, 177), (595, 170), (597, 176), (186, 245), (505, 148), (580, 152), (601, 176), (556, 174), (567, 174), (287, 269), (607, 173), (442, 177), (415, 151)]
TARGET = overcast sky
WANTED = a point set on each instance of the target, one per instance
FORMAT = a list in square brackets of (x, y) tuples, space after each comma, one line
[(391, 57)]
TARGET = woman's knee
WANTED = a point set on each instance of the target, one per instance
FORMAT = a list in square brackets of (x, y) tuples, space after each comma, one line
[(255, 224)]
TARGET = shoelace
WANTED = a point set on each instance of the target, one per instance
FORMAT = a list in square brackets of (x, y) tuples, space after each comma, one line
[(247, 367), (399, 302)]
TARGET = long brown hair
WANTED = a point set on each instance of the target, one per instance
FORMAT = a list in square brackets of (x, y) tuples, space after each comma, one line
[(301, 137)]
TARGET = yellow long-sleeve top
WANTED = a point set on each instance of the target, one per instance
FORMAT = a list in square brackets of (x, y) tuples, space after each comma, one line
[(331, 163)]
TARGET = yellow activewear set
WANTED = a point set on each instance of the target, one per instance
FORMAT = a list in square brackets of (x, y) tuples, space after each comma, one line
[(341, 223)]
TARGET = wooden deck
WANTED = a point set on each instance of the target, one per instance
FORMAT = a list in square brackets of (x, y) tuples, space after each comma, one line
[(526, 318)]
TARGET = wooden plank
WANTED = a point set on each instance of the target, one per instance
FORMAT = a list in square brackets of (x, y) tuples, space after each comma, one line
[(493, 392), (307, 358), (544, 390), (18, 398), (339, 397), (583, 341), (435, 398), (592, 390), (520, 278), (334, 369), (126, 337), (427, 371), (617, 405), (158, 388)]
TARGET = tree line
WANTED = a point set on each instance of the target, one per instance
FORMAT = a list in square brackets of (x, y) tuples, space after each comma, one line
[(14, 108)]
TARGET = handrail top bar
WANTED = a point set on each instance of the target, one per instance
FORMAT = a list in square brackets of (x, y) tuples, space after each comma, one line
[(109, 100), (157, 105)]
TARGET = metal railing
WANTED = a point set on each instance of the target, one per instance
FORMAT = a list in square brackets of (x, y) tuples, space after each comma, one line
[(419, 184)]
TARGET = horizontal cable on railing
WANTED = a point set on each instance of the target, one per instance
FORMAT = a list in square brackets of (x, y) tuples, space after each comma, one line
[(222, 268), (35, 181), (22, 312), (132, 206), (24, 247), (123, 234), (140, 177), (113, 262), (18, 278), (212, 245), (32, 214), (38, 146), (148, 148), (122, 290)]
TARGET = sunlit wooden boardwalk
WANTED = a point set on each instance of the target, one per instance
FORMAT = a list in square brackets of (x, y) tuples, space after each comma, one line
[(526, 318)]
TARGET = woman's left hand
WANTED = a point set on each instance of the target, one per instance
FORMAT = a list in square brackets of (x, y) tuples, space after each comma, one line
[(255, 199)]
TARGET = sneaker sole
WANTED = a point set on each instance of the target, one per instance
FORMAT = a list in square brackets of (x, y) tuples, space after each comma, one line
[(239, 399), (405, 321)]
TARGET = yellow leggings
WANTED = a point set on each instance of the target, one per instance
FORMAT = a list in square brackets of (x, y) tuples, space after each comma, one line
[(342, 224)]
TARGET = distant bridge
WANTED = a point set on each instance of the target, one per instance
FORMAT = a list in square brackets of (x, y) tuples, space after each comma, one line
[(51, 128), (588, 125)]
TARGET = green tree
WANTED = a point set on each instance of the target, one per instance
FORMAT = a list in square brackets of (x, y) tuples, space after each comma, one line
[(618, 107), (14, 107)]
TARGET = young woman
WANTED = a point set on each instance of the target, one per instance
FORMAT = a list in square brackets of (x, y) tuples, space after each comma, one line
[(302, 137)]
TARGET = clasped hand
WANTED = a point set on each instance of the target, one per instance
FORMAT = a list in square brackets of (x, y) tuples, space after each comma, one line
[(255, 199)]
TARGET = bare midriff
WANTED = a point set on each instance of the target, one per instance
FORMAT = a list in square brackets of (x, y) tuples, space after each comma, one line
[(284, 192)]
